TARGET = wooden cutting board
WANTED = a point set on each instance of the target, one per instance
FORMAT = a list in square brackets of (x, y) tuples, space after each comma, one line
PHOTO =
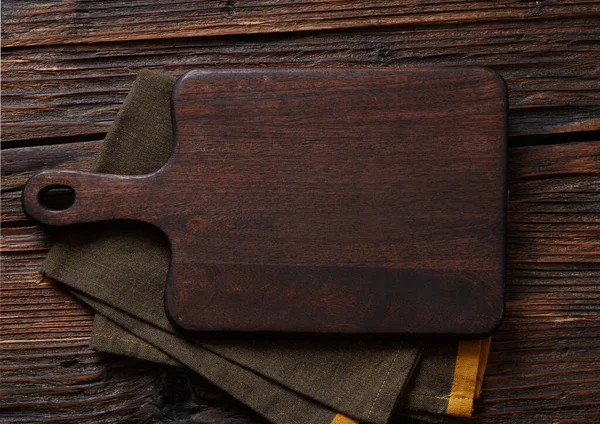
[(322, 201)]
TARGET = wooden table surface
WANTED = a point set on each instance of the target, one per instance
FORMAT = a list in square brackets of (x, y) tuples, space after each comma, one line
[(67, 66)]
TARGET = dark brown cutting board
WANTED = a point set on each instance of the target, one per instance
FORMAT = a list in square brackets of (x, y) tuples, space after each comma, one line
[(323, 201)]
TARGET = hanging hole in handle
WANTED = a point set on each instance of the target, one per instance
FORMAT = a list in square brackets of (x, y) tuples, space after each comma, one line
[(57, 197)]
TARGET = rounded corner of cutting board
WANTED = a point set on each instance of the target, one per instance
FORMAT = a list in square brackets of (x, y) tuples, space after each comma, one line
[(176, 313), (491, 325)]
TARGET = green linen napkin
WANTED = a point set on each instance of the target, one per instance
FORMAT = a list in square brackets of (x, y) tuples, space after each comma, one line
[(120, 268)]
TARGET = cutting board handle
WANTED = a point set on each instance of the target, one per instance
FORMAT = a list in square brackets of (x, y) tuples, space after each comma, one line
[(97, 197)]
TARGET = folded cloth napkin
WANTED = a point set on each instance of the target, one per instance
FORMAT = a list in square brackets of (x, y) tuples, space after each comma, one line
[(120, 269)]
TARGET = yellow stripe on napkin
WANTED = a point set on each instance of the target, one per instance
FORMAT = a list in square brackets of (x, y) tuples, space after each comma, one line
[(471, 360), (342, 419)]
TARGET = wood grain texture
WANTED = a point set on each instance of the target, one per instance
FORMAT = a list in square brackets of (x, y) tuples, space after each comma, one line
[(544, 361), (342, 201), (550, 66), (28, 22), (543, 365)]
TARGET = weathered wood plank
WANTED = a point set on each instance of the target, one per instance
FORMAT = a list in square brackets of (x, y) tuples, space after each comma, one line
[(27, 23), (551, 68), (48, 381), (20, 164), (52, 377), (544, 361)]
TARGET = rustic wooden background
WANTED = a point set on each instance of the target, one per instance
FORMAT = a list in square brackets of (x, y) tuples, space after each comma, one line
[(67, 66)]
